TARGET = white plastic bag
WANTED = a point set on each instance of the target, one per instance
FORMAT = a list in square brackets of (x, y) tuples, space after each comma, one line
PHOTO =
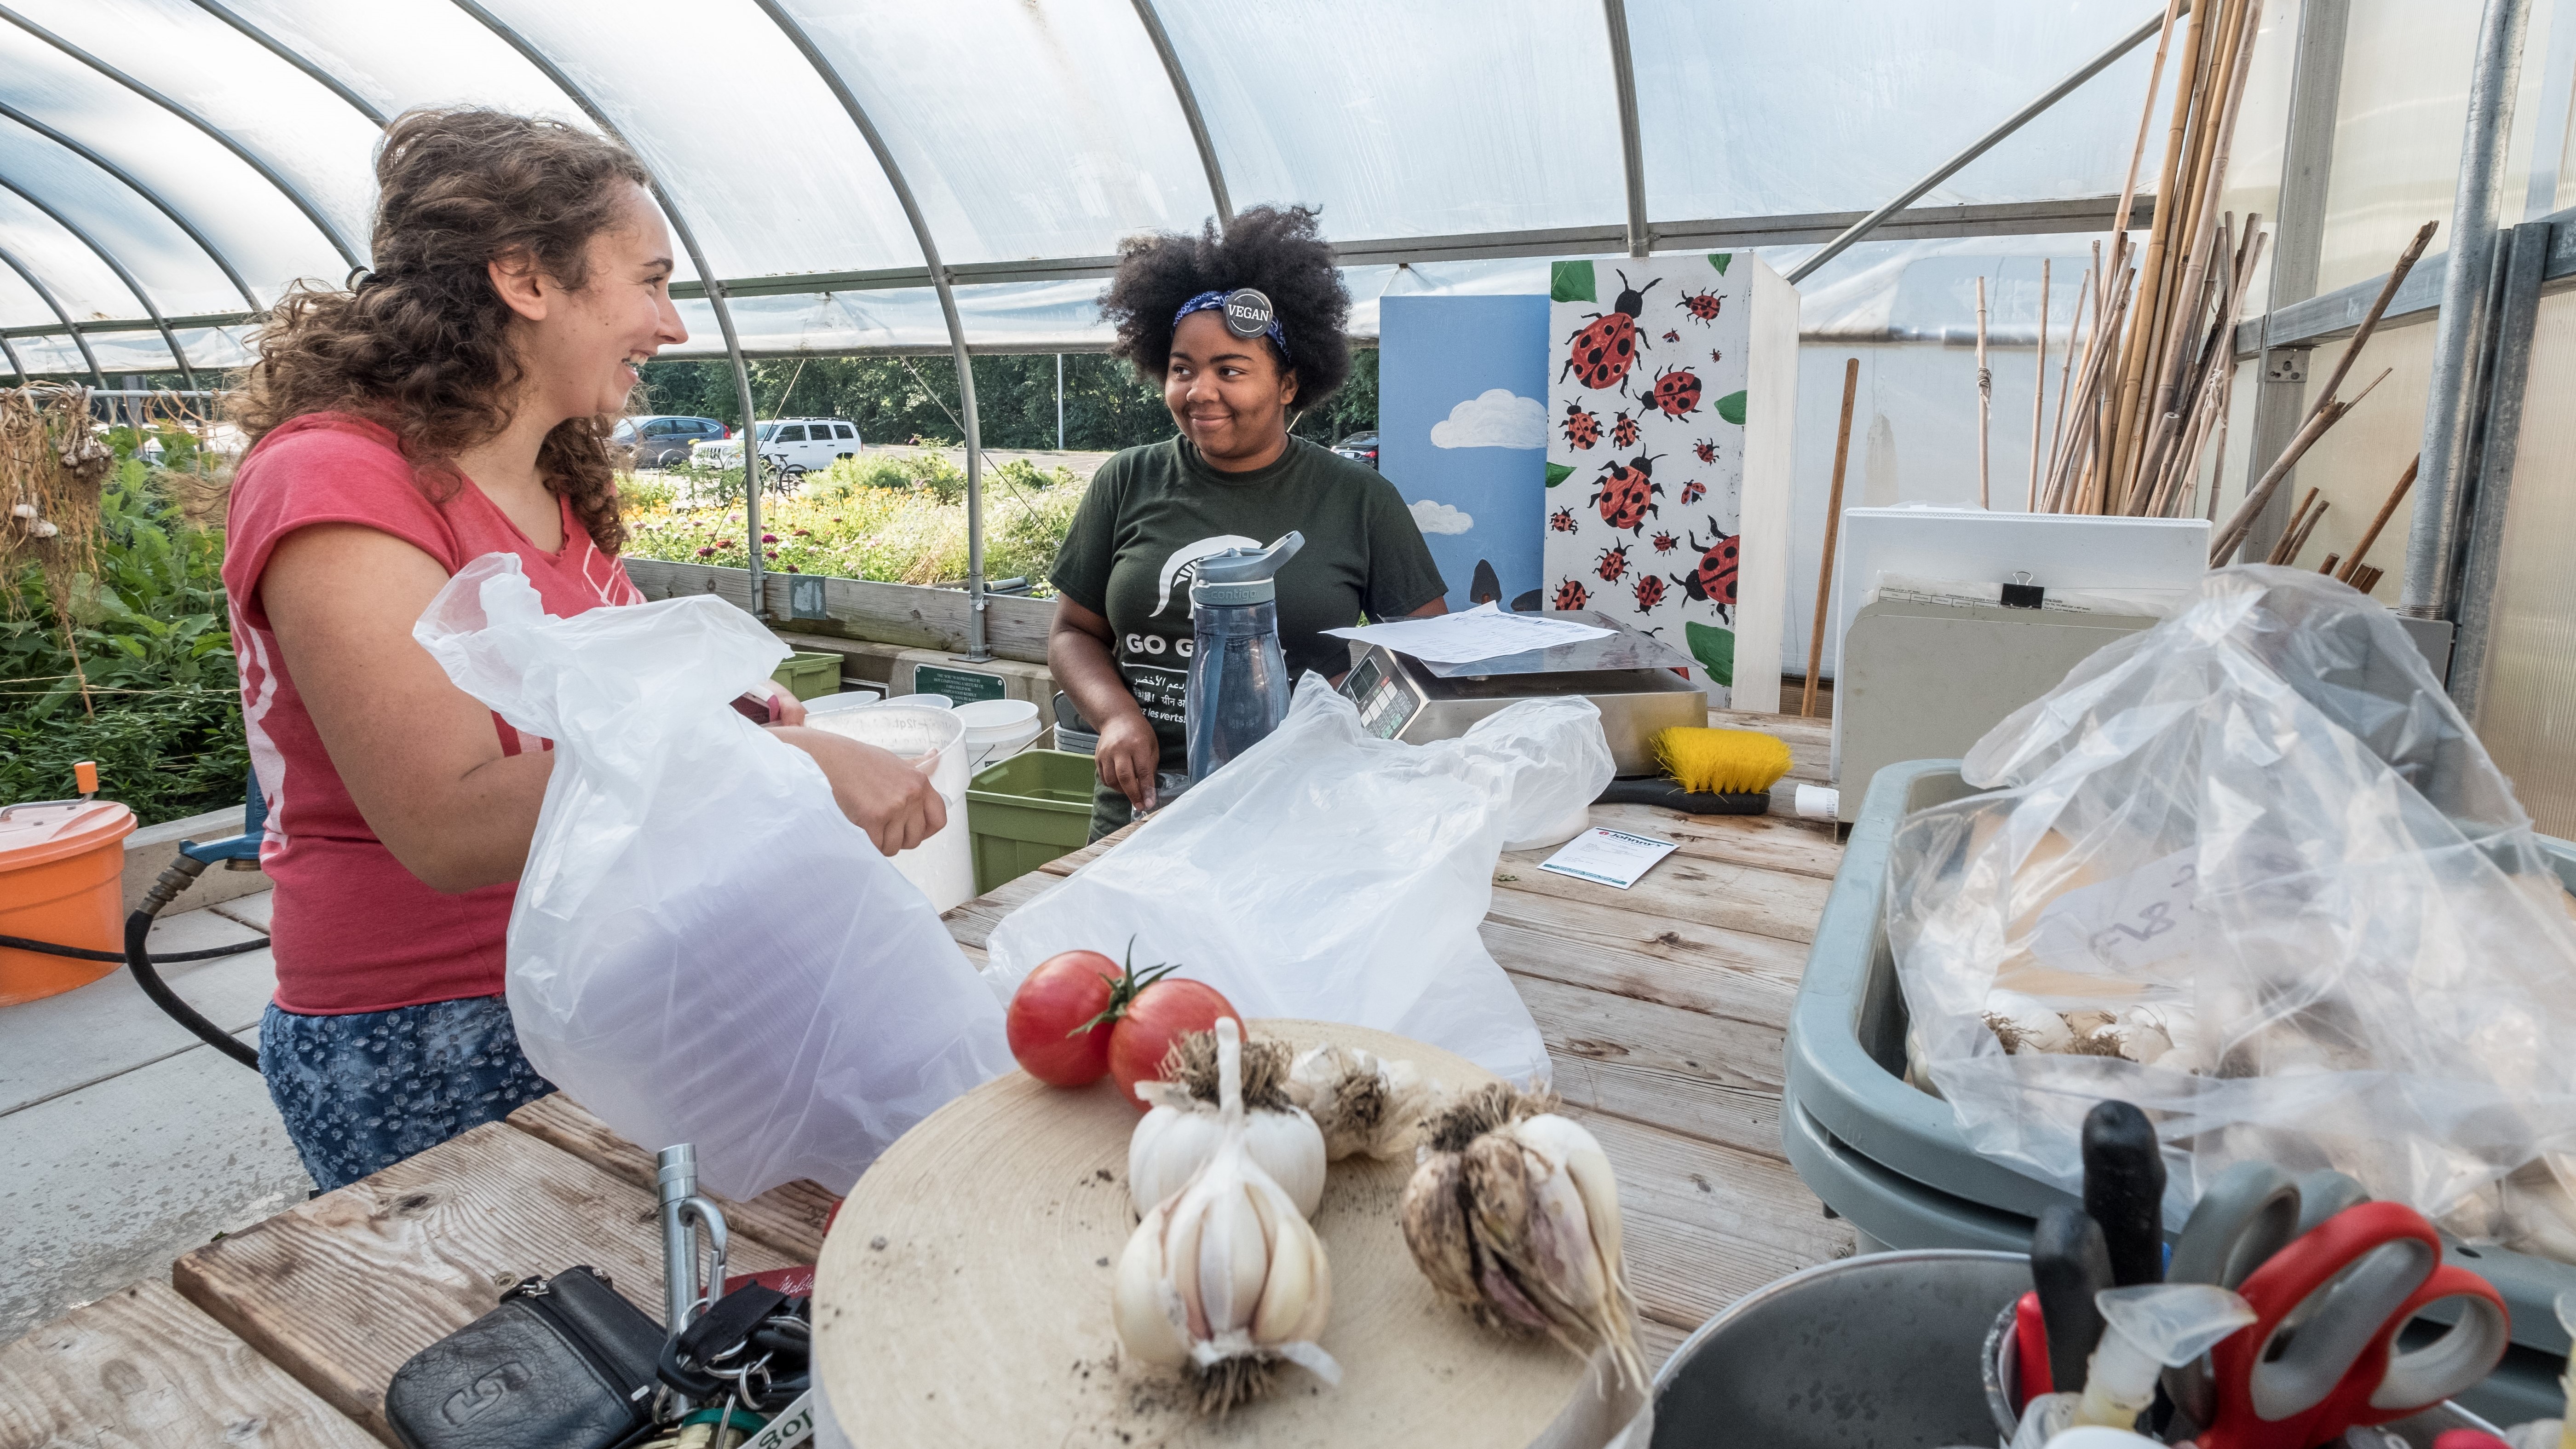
[(704, 948), (1335, 876), (2251, 871)]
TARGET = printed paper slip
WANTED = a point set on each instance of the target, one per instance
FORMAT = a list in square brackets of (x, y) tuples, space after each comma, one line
[(1483, 632), (1609, 857)]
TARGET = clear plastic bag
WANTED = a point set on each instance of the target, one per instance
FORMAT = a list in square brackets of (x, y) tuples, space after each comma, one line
[(704, 949), (2251, 871), (1332, 875)]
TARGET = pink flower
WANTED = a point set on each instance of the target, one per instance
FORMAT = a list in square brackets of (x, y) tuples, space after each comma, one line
[(724, 543), (793, 569), (769, 553), (769, 538), (706, 553)]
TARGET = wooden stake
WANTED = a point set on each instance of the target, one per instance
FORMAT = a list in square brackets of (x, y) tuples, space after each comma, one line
[(1985, 397), (1833, 526), (2239, 523), (2065, 367), (2286, 546), (2387, 510), (2328, 567), (2159, 232), (2039, 385)]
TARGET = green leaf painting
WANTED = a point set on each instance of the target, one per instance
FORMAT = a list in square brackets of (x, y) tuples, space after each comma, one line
[(1714, 648), (1572, 282), (1731, 408), (1558, 473), (1720, 260)]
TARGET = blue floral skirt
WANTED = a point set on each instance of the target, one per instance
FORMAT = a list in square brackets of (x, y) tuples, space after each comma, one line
[(364, 1091)]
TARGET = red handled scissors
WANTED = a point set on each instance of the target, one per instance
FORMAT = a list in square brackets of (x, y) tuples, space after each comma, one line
[(2319, 1357)]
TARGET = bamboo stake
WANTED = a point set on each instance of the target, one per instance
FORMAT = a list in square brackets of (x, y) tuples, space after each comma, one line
[(1985, 397), (2286, 546), (2366, 580), (2097, 477), (2069, 486), (1833, 526), (2065, 367), (2186, 84), (2068, 464), (2327, 415), (2328, 567), (2299, 543), (2038, 389), (2387, 510), (2217, 351)]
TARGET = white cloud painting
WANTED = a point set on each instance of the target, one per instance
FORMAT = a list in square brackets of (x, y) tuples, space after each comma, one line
[(1433, 517), (1494, 418)]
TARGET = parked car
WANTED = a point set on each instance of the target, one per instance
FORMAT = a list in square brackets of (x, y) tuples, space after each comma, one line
[(790, 446), (1359, 447), (662, 440)]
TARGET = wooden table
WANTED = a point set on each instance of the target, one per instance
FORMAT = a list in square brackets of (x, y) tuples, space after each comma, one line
[(1663, 1008)]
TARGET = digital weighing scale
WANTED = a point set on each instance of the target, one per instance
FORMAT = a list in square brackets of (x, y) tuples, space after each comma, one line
[(1634, 679)]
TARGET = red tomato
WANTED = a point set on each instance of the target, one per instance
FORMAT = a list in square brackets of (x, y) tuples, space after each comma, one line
[(1160, 1012), (1056, 1024)]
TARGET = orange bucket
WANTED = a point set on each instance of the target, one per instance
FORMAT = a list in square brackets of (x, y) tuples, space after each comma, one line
[(62, 881)]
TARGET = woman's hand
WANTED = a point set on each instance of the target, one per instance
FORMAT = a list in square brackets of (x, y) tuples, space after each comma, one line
[(884, 794), (1127, 755)]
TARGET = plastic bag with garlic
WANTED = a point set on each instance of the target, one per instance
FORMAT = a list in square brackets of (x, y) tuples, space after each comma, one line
[(2251, 871)]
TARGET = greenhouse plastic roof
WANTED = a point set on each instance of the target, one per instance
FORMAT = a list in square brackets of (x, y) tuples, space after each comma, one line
[(169, 167)]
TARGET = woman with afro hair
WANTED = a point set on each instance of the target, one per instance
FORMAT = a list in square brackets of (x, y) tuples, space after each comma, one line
[(1190, 312)]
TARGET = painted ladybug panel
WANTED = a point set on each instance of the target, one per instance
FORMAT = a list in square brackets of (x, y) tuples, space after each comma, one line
[(1643, 522)]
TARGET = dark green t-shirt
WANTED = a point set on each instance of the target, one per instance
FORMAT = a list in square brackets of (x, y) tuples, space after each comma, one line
[(1153, 512)]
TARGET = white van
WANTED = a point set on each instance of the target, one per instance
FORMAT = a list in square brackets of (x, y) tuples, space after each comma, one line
[(789, 447)]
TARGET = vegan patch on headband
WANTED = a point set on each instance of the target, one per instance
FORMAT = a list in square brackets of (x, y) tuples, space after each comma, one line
[(1247, 312)]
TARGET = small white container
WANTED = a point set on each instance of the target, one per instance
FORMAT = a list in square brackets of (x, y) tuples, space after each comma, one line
[(847, 699), (944, 865), (924, 701), (996, 729)]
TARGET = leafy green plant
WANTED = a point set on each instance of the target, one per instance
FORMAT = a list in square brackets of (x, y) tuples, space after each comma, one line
[(148, 636)]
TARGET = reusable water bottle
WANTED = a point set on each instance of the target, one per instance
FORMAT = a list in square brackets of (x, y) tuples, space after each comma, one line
[(1238, 679)]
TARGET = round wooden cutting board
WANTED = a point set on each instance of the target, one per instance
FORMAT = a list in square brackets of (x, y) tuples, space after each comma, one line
[(963, 1297)]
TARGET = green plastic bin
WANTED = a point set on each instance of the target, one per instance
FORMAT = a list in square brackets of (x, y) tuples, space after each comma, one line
[(809, 676), (1026, 811)]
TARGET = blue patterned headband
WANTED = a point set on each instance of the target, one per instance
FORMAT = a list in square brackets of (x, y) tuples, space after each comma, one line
[(1248, 314)]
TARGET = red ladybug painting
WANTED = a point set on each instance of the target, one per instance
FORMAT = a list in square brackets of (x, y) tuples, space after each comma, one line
[(1705, 450), (1571, 595), (1665, 542), (1716, 356), (1600, 354), (1650, 592), (1623, 431), (1614, 564), (1628, 493), (1671, 336), (1713, 582), (1582, 429), (1693, 492), (1562, 520), (1676, 392), (1702, 306)]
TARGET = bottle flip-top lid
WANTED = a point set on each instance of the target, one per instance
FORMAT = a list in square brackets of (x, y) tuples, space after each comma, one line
[(1244, 575)]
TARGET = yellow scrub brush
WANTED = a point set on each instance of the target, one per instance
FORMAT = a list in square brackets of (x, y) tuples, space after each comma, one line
[(1708, 772)]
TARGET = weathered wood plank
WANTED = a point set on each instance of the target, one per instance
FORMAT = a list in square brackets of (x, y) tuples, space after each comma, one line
[(141, 1369), (1704, 1076), (1685, 888), (1778, 841), (789, 1218), (341, 1290), (1688, 1105), (907, 614), (1703, 1225), (1702, 967)]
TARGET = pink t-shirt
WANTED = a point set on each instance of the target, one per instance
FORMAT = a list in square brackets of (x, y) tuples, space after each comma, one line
[(353, 930)]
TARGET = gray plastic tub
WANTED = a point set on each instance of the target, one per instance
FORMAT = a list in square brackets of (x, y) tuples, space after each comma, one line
[(1893, 1161)]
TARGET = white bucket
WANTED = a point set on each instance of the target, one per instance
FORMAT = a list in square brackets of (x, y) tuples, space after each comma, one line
[(944, 865), (848, 699), (924, 701), (996, 729)]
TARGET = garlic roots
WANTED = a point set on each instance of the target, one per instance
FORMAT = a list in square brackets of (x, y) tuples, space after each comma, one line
[(1363, 1105), (1514, 1212), (1183, 1128), (1224, 1280)]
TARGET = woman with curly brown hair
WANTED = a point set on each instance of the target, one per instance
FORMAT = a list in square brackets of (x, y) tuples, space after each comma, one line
[(1243, 329), (454, 402)]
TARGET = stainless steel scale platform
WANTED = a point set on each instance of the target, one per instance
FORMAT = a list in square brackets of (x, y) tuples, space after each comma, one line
[(1631, 677)]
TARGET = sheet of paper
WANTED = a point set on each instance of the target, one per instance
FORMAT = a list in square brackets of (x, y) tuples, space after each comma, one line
[(1483, 632), (1609, 857)]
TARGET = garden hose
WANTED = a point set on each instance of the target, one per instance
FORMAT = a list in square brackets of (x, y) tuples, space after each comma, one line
[(181, 873)]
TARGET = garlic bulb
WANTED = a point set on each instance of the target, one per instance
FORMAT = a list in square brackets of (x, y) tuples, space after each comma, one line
[(1224, 1280), (1183, 1128), (1514, 1212), (1362, 1104)]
